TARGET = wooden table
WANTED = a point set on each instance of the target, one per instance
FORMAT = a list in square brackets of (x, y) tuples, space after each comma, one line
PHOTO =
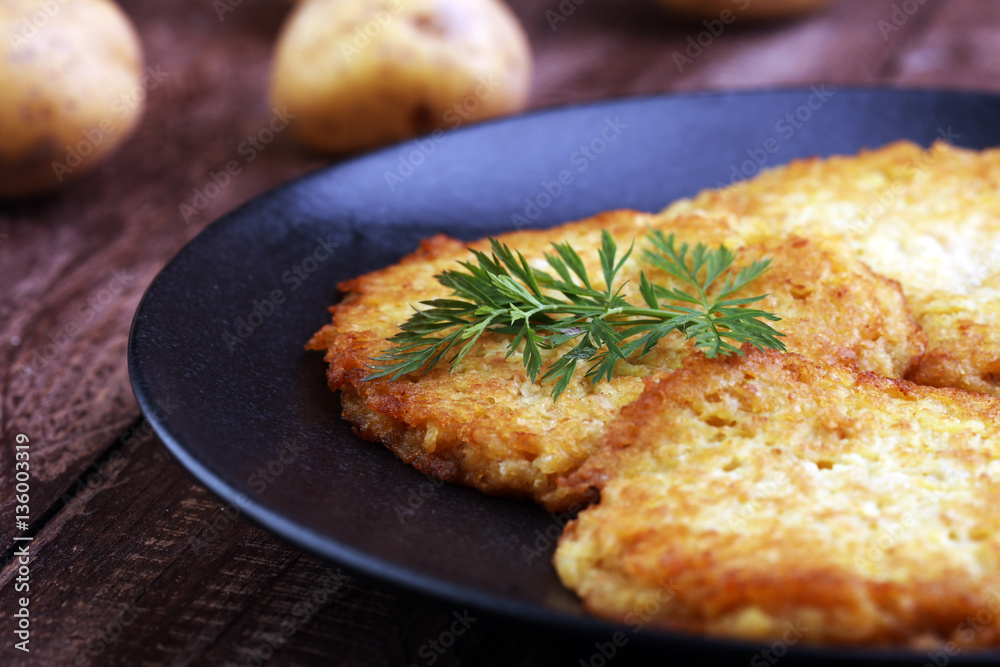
[(135, 563)]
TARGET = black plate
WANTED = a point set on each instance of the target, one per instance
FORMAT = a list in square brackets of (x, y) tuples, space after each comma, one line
[(218, 338)]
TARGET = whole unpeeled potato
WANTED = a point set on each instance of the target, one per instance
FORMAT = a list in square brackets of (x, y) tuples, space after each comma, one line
[(750, 9), (361, 73), (68, 73)]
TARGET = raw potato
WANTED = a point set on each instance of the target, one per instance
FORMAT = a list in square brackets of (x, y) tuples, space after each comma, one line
[(750, 9), (68, 73), (363, 73)]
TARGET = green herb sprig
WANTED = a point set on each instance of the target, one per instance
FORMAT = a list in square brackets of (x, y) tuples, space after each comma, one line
[(501, 293)]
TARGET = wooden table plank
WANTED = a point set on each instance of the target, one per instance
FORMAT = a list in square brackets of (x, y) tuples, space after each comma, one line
[(636, 47), (62, 331), (956, 47)]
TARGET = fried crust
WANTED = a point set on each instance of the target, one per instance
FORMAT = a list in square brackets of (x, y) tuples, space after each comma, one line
[(755, 497), (929, 219), (488, 426)]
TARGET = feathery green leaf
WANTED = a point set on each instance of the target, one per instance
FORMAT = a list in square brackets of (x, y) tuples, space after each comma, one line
[(502, 293)]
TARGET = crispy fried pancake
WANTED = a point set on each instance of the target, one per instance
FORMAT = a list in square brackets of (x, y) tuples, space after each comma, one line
[(928, 219), (773, 494), (488, 426)]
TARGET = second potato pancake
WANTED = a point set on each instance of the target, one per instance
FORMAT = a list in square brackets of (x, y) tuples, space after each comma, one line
[(929, 219)]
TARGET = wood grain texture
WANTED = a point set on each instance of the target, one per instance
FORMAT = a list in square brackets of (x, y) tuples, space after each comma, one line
[(148, 568), (119, 557)]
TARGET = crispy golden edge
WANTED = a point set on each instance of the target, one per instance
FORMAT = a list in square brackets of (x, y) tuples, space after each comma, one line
[(688, 385)]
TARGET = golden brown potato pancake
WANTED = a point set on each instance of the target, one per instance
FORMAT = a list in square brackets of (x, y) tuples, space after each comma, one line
[(745, 497), (488, 426), (929, 219)]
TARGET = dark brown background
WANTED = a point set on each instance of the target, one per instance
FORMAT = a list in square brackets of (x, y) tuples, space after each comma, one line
[(115, 577)]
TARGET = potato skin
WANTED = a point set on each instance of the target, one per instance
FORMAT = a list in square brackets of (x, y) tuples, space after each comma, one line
[(363, 73), (64, 67)]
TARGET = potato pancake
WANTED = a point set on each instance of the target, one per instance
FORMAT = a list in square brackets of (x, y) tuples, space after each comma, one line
[(929, 219), (751, 497), (487, 425)]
